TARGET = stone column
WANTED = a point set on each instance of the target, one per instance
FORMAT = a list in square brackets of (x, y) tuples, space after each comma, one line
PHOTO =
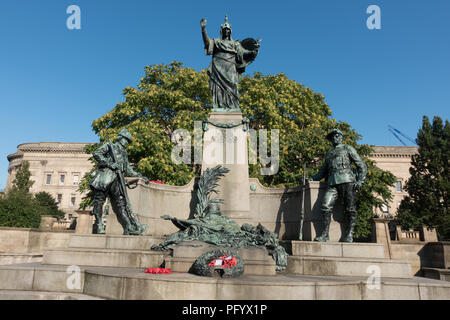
[(47, 223), (312, 223), (381, 234), (228, 147), (84, 222), (429, 235)]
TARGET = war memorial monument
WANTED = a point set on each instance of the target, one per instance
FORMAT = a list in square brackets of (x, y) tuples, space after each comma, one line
[(219, 235)]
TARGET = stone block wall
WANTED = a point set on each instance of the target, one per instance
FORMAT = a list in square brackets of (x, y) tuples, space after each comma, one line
[(24, 240)]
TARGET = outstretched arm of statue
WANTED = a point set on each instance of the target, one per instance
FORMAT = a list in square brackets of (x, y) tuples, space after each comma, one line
[(130, 172), (206, 39)]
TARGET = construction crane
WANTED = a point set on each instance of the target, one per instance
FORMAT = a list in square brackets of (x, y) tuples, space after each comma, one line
[(397, 132)]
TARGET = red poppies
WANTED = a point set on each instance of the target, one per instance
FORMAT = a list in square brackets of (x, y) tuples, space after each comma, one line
[(157, 181), (226, 261), (158, 271)]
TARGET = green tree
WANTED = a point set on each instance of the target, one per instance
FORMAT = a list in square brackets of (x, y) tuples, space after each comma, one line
[(17, 208), (429, 184), (22, 182), (47, 205), (20, 209), (171, 97)]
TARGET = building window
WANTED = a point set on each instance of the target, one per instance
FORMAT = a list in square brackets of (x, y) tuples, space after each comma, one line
[(398, 186), (59, 198), (48, 178), (72, 200), (76, 179), (384, 208), (61, 179)]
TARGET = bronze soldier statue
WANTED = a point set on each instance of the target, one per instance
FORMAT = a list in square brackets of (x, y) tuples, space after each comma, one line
[(112, 160), (342, 183)]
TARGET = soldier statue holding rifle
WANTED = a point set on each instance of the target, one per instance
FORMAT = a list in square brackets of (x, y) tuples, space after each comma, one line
[(342, 183), (113, 165)]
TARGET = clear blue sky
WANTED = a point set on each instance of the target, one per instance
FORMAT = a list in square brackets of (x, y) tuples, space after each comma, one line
[(54, 82)]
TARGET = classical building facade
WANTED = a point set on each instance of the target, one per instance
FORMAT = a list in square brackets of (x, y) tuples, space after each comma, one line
[(58, 167), (398, 161)]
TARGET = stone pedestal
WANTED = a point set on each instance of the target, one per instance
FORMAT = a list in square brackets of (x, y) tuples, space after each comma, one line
[(381, 234), (312, 223), (429, 234), (344, 259), (84, 222), (225, 144), (47, 223)]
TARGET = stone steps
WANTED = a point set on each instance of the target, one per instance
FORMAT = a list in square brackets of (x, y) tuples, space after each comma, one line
[(120, 258), (355, 267), (35, 277), (337, 249), (435, 273), (16, 258), (36, 281), (183, 286), (113, 241), (344, 259), (42, 295)]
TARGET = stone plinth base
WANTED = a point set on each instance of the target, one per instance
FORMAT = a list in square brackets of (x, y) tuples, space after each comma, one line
[(436, 273), (337, 249), (47, 223), (228, 147), (84, 222), (352, 267), (381, 234), (103, 257), (106, 251), (19, 258), (256, 259), (344, 259), (113, 242), (132, 284)]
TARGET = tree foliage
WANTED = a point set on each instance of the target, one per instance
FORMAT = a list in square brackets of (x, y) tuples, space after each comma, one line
[(20, 209), (22, 182), (47, 205), (429, 184), (171, 97)]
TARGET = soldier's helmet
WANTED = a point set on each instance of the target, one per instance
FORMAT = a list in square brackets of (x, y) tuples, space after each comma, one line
[(225, 25), (124, 133), (333, 132)]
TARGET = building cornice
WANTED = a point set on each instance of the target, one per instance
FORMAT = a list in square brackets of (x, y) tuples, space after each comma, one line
[(393, 152), (53, 147), (14, 156)]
